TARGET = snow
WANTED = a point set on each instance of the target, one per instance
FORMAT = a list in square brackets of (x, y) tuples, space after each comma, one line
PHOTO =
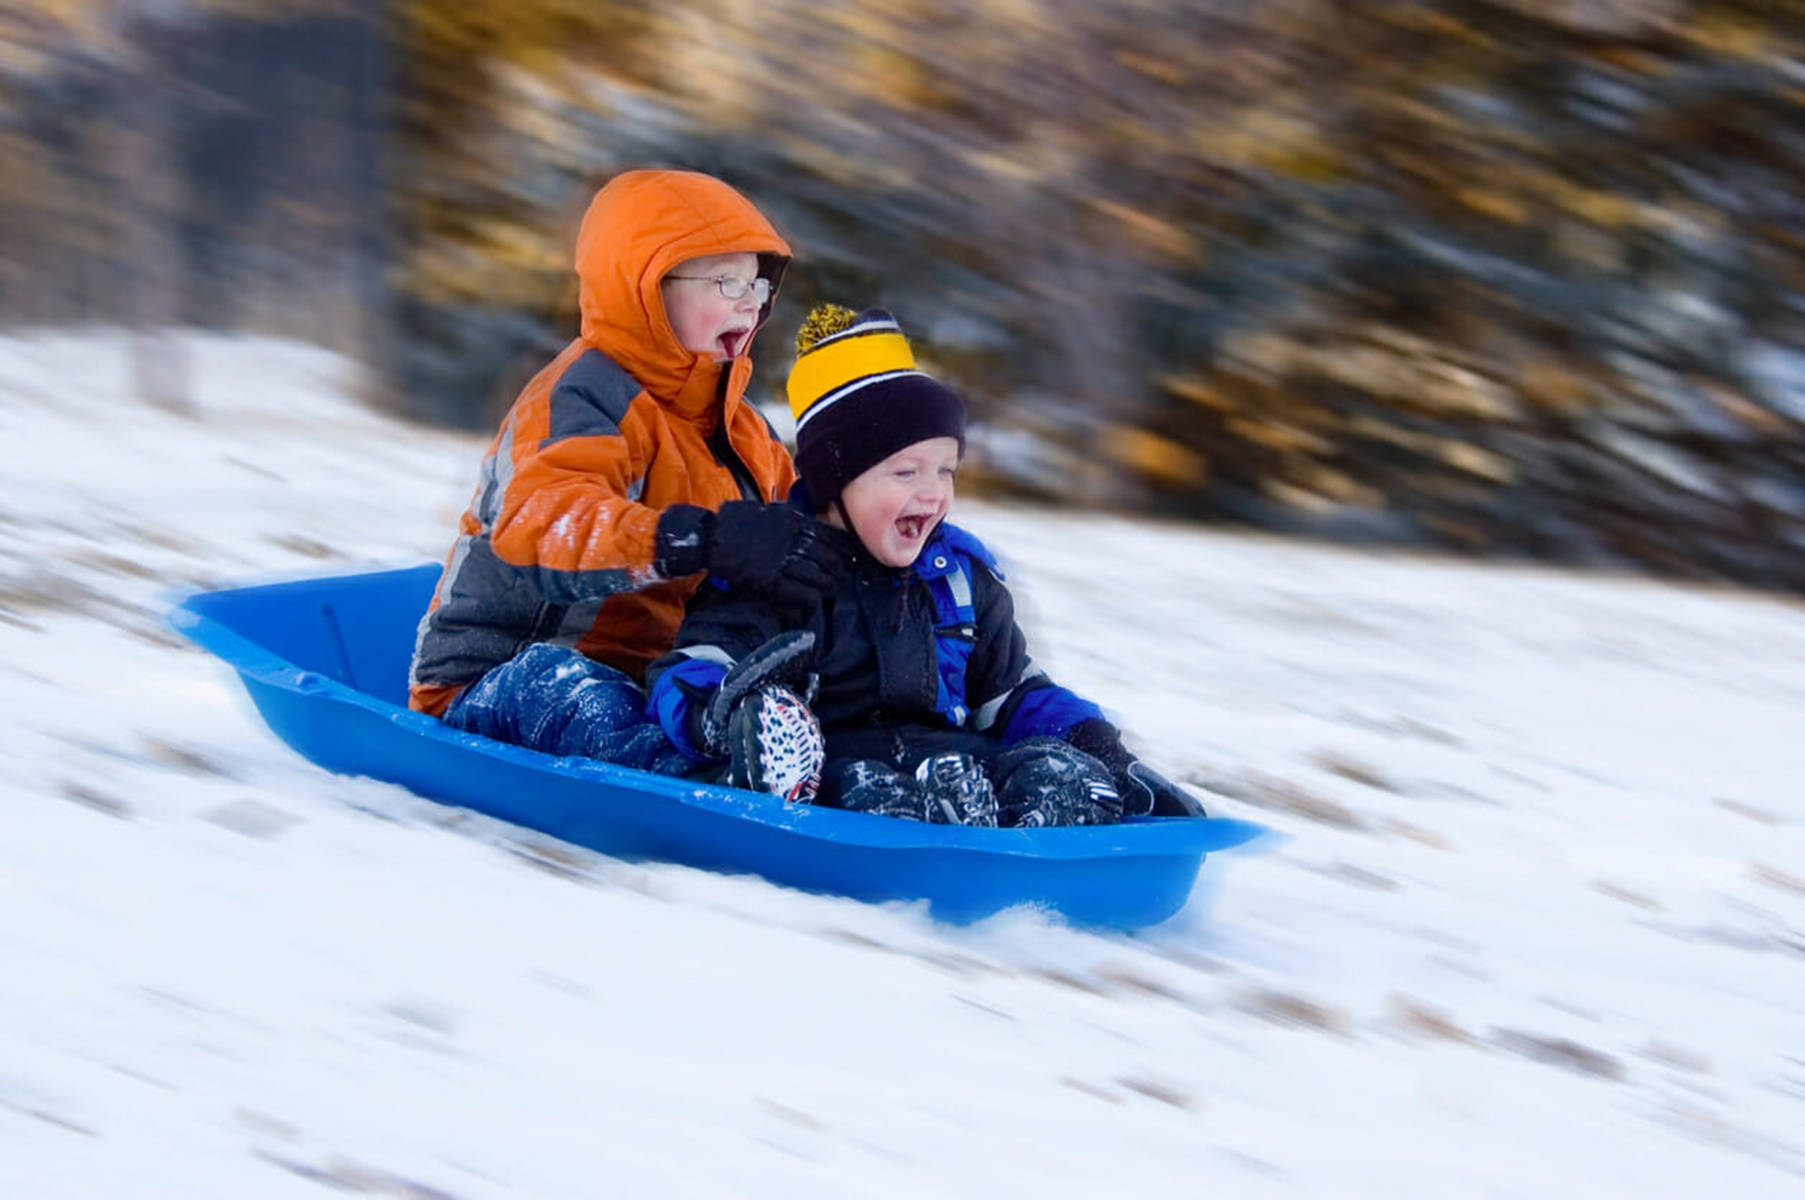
[(1535, 926)]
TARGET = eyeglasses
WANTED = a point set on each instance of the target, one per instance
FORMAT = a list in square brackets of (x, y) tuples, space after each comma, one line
[(732, 286)]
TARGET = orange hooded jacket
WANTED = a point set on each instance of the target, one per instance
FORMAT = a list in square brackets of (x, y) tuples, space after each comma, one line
[(557, 544)]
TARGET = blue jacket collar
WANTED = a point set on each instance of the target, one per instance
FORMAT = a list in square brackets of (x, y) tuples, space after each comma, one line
[(948, 544)]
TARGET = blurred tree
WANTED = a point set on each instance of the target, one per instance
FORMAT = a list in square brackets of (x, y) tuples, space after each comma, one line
[(1513, 276), (212, 162), (150, 199)]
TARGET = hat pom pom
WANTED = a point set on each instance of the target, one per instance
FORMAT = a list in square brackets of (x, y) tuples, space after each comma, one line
[(823, 321)]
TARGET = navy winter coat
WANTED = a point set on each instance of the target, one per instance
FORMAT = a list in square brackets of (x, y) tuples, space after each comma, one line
[(905, 656)]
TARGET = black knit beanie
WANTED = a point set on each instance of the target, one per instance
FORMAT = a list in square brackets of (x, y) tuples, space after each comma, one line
[(858, 398)]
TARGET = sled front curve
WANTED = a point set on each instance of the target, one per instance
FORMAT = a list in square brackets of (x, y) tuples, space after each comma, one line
[(325, 662)]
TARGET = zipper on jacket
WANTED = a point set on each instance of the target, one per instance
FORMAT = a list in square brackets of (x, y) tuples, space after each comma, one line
[(721, 446), (728, 457), (545, 625)]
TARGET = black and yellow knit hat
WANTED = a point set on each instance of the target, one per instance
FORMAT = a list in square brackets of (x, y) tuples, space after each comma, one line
[(858, 398)]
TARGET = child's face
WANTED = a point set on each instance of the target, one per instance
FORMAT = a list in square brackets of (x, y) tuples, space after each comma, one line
[(895, 505), (704, 320)]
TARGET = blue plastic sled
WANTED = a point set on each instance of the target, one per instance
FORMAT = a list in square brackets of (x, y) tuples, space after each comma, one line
[(326, 661)]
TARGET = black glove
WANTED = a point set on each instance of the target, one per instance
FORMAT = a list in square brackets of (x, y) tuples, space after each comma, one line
[(1166, 799), (772, 549), (783, 661), (1145, 792)]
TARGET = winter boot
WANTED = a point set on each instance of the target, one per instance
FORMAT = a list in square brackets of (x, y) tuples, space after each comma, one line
[(775, 745), (1044, 782), (869, 786), (958, 791)]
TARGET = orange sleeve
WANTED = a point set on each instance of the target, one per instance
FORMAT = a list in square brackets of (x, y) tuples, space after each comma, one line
[(567, 506)]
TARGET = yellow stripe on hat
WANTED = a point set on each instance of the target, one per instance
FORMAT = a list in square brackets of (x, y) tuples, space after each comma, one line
[(832, 365)]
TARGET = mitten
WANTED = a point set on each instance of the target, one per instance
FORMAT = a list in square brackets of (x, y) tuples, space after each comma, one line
[(772, 549), (1167, 799), (1145, 792)]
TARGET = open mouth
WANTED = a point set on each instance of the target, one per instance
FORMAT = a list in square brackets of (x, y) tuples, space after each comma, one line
[(732, 342), (911, 528)]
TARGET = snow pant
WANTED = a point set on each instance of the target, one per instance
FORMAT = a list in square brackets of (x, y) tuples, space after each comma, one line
[(560, 701)]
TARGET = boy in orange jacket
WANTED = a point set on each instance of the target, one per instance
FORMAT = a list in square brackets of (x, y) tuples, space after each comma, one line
[(629, 468)]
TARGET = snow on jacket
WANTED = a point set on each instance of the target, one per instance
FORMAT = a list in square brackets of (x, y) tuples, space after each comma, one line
[(931, 646), (557, 544)]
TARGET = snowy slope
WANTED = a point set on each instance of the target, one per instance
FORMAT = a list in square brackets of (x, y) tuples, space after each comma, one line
[(1537, 929)]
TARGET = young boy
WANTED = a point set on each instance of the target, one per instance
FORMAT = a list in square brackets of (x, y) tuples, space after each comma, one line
[(927, 702), (628, 467)]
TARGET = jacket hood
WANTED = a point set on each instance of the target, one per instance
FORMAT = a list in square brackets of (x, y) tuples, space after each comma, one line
[(639, 226)]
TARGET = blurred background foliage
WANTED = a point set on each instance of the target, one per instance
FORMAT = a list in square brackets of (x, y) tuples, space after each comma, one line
[(1512, 277)]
